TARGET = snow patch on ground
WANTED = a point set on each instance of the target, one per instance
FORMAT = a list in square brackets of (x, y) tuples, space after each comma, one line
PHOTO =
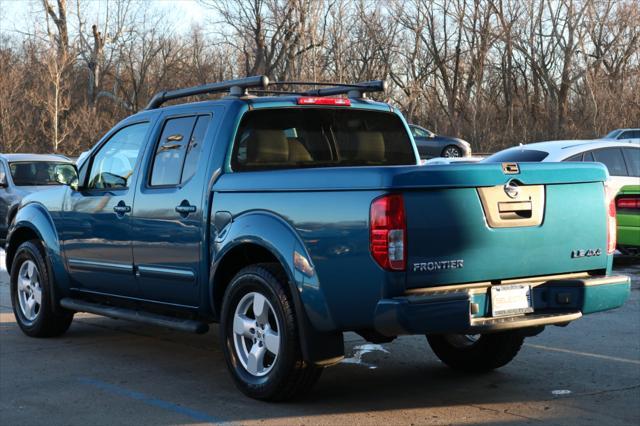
[(360, 350)]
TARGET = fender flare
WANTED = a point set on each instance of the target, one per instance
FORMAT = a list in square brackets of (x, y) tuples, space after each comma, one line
[(320, 340), (11, 213), (35, 217)]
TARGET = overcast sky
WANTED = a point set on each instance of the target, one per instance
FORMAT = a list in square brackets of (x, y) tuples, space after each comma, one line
[(19, 15)]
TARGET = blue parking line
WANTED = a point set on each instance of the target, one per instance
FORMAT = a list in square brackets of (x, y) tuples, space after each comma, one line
[(149, 400)]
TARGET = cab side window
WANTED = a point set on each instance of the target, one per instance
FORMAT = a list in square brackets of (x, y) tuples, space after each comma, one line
[(176, 157), (113, 165), (612, 158)]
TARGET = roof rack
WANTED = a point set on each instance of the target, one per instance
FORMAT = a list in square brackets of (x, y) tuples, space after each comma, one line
[(235, 87), (355, 90), (239, 88)]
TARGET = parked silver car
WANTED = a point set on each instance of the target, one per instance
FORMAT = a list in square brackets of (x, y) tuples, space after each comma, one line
[(21, 174), (431, 145)]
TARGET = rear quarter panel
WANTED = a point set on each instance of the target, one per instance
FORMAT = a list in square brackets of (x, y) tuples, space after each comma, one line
[(333, 227)]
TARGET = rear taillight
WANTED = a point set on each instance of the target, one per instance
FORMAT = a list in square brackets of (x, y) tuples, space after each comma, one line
[(611, 220), (388, 232), (313, 100), (628, 203)]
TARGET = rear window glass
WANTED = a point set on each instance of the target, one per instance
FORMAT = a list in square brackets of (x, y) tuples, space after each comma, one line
[(518, 155), (314, 137)]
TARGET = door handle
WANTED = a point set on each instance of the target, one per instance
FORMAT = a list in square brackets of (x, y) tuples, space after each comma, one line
[(185, 208), (121, 208), (168, 147)]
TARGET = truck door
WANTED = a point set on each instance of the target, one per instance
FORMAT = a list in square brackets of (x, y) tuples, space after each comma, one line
[(97, 224), (168, 215)]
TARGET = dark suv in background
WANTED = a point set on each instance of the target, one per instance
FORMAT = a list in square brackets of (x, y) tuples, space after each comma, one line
[(431, 145), (22, 174)]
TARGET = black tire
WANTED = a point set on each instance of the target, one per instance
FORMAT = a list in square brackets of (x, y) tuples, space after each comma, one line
[(486, 353), (46, 322), (288, 376), (451, 148)]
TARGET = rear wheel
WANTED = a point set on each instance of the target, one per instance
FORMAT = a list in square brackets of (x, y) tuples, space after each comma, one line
[(451, 151), (476, 353), (260, 336), (31, 293)]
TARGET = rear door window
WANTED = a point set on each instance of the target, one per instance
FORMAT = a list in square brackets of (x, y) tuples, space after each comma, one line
[(170, 151), (613, 159), (194, 148), (632, 157), (320, 137)]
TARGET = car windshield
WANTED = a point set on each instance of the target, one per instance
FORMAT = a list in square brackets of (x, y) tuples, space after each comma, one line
[(613, 134), (321, 137), (517, 155), (37, 173)]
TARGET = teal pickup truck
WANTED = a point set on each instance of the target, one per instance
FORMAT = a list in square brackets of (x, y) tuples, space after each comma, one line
[(291, 216)]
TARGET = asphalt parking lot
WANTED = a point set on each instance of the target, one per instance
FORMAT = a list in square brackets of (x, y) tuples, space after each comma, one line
[(105, 372)]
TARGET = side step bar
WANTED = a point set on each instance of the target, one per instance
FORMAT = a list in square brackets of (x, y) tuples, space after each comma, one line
[(180, 324)]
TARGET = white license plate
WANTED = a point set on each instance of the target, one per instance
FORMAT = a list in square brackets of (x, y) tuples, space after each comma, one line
[(511, 300)]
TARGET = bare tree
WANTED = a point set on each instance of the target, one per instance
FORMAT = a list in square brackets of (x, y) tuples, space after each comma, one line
[(495, 72)]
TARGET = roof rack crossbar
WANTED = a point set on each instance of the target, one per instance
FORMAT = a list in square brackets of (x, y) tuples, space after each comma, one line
[(235, 87), (351, 90)]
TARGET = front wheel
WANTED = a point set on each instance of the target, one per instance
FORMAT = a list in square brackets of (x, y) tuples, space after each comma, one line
[(260, 336), (31, 293), (476, 353)]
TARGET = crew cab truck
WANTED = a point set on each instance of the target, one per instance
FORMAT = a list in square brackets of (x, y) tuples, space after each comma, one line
[(293, 218)]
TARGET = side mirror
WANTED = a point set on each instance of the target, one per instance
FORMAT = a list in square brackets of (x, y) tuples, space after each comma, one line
[(3, 180), (67, 174)]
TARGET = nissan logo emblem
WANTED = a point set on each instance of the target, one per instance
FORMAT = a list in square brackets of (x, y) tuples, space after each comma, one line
[(511, 189)]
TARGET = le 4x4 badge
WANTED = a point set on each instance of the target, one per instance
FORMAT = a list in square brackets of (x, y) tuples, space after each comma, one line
[(586, 253)]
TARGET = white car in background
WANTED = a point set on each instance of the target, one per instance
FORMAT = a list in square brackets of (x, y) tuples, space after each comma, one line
[(622, 157), (450, 160)]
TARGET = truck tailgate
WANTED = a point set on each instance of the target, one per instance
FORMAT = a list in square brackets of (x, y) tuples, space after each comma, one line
[(470, 234)]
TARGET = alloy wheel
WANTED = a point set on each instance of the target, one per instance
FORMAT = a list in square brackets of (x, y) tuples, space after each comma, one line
[(451, 151), (29, 291), (256, 334)]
